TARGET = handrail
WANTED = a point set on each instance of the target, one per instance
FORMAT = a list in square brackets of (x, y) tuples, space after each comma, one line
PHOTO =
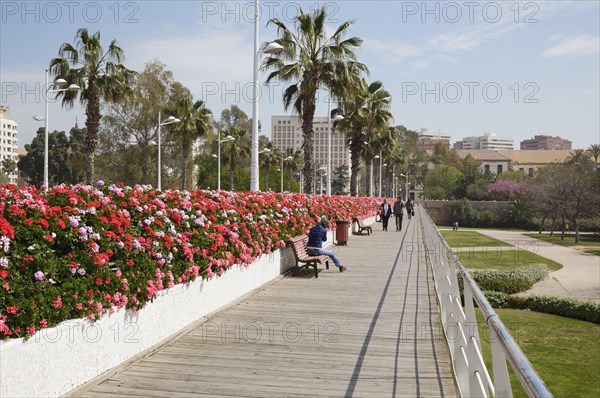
[(509, 350)]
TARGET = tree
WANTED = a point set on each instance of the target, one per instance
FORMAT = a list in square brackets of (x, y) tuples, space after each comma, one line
[(367, 109), (577, 156), (195, 122), (129, 127), (441, 182), (340, 180), (32, 165), (504, 190), (311, 60), (594, 151), (101, 76), (237, 149), (7, 167)]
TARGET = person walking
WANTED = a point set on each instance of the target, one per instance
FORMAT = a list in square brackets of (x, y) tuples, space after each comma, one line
[(410, 209), (316, 237), (385, 213), (399, 213)]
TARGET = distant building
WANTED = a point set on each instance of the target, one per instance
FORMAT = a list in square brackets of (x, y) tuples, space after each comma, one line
[(429, 138), (528, 162), (286, 132), (9, 132), (486, 141), (491, 161), (545, 142)]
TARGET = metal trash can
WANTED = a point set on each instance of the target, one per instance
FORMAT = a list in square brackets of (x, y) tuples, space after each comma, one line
[(341, 232)]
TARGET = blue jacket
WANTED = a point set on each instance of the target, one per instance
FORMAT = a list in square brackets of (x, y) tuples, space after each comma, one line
[(317, 236)]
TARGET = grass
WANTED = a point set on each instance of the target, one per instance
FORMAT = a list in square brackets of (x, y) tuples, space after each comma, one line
[(499, 259), (595, 252), (584, 239), (470, 239), (446, 228), (565, 352)]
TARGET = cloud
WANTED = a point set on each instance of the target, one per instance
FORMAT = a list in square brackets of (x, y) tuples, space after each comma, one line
[(575, 46)]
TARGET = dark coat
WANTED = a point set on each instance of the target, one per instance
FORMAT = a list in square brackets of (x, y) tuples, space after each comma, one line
[(387, 213), (398, 208)]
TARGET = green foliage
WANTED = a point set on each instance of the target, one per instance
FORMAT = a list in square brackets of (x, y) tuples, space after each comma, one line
[(511, 281), (563, 306), (442, 182)]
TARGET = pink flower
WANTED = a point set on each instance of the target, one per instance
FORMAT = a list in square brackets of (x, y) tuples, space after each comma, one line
[(57, 303)]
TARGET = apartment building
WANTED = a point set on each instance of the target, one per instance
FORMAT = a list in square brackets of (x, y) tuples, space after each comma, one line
[(487, 141), (429, 138), (286, 132), (546, 142), (9, 132)]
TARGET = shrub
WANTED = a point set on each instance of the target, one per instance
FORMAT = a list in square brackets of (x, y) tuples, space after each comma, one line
[(512, 281), (562, 306)]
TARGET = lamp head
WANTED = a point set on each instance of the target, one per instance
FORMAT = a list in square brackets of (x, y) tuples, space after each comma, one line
[(73, 87), (38, 118), (60, 82), (338, 118), (273, 48)]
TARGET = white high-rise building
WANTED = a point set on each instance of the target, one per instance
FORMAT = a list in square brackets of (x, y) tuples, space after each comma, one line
[(486, 141), (286, 132), (9, 132)]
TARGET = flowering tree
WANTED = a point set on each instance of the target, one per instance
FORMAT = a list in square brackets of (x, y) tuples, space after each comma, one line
[(504, 189)]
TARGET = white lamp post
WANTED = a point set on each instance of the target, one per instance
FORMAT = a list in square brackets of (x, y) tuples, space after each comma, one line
[(283, 160), (228, 138), (269, 48), (406, 176), (169, 120), (337, 118), (57, 82), (371, 183), (380, 176)]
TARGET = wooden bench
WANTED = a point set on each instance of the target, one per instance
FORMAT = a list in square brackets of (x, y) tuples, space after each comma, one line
[(362, 226), (299, 247)]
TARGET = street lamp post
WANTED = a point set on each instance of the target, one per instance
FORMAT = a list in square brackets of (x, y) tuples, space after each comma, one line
[(169, 120), (371, 175), (57, 82), (380, 176), (269, 48), (228, 138), (406, 176), (337, 118), (283, 160)]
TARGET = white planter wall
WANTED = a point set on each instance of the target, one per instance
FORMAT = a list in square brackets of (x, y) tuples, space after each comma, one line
[(56, 360)]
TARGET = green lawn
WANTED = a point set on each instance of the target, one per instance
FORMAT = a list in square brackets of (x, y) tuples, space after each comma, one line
[(449, 228), (584, 239), (503, 259), (565, 352), (470, 239), (595, 252)]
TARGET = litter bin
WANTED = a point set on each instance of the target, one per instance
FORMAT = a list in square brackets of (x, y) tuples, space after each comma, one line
[(341, 232)]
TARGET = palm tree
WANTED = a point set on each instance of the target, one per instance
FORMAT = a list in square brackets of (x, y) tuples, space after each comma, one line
[(101, 76), (365, 110), (238, 149), (311, 60), (294, 165), (594, 150), (196, 122), (577, 156)]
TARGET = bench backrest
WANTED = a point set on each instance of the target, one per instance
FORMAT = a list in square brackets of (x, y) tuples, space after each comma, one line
[(299, 245), (359, 222)]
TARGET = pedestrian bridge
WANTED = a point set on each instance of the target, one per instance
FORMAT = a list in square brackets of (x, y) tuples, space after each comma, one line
[(391, 326)]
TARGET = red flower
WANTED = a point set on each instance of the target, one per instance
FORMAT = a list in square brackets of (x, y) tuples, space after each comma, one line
[(3, 273), (43, 223), (28, 221)]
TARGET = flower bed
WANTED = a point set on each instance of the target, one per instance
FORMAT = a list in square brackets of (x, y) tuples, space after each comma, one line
[(80, 251)]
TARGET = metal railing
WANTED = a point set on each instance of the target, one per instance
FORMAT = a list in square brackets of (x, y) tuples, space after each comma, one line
[(461, 329)]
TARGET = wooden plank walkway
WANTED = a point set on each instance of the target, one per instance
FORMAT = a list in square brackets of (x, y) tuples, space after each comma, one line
[(372, 331)]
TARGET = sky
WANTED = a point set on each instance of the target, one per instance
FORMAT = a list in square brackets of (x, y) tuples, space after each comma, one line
[(515, 68)]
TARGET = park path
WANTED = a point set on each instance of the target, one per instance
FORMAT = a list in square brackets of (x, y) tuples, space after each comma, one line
[(372, 331), (580, 276)]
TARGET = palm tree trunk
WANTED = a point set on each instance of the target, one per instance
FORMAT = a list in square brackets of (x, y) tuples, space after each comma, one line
[(355, 149), (308, 115), (267, 177), (92, 123)]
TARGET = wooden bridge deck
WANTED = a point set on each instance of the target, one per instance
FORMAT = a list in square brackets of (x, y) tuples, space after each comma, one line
[(372, 331)]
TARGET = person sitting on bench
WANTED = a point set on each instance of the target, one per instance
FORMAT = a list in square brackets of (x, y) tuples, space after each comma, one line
[(316, 237)]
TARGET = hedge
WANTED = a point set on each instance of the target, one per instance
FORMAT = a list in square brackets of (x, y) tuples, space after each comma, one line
[(567, 307), (511, 281)]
